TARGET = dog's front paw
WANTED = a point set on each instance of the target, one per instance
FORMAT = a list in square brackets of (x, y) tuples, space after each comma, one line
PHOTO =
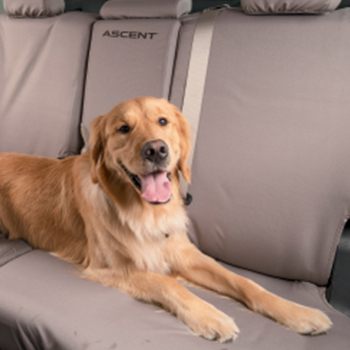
[(305, 320), (212, 324)]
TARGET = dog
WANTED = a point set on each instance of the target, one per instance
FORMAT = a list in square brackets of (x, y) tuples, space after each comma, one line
[(117, 213)]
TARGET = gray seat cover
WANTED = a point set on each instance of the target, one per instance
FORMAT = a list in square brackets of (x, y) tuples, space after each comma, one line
[(129, 58), (271, 167), (10, 250), (42, 67), (45, 305)]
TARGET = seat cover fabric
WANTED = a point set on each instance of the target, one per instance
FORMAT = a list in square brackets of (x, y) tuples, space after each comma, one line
[(270, 173), (258, 7), (45, 305), (42, 67), (33, 8), (128, 58), (10, 250), (145, 9)]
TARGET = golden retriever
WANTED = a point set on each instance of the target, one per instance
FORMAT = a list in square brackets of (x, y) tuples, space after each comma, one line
[(116, 211)]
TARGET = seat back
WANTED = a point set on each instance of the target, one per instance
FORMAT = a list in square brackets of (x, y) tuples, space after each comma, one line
[(43, 58), (271, 166), (132, 53)]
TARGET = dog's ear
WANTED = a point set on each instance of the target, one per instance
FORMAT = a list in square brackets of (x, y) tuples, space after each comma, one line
[(96, 145), (185, 145)]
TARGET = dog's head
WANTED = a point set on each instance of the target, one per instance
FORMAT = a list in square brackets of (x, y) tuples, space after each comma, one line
[(145, 141)]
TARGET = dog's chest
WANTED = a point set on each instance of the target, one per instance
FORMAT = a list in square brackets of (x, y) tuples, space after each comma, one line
[(149, 254), (137, 234), (151, 238)]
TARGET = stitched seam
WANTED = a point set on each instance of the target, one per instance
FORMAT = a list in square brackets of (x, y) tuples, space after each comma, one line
[(18, 255)]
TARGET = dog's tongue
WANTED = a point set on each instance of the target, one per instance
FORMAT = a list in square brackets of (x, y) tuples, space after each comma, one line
[(156, 187)]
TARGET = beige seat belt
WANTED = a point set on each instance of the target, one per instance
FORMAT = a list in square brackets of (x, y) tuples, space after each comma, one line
[(195, 83)]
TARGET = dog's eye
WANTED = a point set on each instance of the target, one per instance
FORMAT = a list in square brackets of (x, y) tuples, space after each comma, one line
[(124, 129), (162, 121)]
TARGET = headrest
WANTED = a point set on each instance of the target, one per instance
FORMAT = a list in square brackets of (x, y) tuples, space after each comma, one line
[(145, 8), (263, 7), (34, 8)]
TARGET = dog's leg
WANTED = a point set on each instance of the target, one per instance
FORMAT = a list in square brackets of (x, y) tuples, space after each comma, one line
[(202, 270), (202, 318)]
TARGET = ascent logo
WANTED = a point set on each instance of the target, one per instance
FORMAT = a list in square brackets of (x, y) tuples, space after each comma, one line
[(129, 34)]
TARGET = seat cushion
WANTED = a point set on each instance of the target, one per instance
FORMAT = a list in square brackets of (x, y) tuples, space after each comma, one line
[(10, 250), (45, 305)]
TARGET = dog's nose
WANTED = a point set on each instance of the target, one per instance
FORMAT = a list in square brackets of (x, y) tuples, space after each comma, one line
[(155, 151)]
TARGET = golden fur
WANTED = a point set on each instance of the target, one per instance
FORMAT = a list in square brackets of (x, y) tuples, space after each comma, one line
[(86, 210)]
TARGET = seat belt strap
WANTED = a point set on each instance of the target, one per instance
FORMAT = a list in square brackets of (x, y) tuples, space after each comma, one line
[(196, 77)]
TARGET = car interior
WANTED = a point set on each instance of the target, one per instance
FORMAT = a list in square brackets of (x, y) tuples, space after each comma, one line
[(265, 86)]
